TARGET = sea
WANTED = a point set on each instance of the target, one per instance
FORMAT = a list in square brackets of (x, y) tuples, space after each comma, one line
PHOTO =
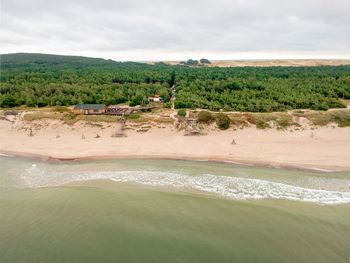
[(137, 210)]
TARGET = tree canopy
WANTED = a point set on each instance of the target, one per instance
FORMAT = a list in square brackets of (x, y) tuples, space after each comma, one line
[(41, 80)]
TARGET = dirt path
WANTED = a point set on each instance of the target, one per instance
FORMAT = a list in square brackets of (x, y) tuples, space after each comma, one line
[(173, 97)]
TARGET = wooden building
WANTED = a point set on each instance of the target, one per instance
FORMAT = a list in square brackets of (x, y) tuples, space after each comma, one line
[(155, 98), (88, 109)]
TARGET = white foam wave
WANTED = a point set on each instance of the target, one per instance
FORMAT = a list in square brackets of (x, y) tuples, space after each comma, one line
[(5, 155), (232, 187)]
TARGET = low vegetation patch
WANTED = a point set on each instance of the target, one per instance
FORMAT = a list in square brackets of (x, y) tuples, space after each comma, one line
[(93, 124), (205, 117), (164, 120), (342, 118), (133, 116), (69, 117), (142, 119), (61, 109), (41, 115), (238, 120), (223, 121), (262, 125), (263, 120)]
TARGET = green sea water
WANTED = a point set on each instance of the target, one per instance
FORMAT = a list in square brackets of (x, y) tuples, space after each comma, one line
[(170, 211)]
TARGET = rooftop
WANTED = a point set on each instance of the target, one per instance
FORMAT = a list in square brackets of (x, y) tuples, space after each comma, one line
[(89, 106)]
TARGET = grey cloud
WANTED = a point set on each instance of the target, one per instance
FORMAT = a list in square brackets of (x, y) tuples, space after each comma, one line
[(153, 27)]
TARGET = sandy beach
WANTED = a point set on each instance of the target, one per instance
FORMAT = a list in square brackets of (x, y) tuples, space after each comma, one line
[(326, 148)]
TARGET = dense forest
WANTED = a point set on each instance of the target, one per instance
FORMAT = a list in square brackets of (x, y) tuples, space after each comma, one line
[(41, 80)]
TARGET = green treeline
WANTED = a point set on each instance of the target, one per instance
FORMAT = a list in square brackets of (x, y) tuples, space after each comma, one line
[(41, 80), (262, 89)]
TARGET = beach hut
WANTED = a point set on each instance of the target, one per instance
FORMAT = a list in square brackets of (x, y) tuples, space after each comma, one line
[(157, 98), (89, 109)]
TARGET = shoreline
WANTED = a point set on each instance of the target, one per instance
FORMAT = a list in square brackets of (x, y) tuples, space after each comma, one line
[(298, 167)]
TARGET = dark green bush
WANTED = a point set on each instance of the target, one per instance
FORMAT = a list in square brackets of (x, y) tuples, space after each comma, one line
[(8, 101), (181, 113), (223, 121), (133, 103), (167, 105), (205, 116)]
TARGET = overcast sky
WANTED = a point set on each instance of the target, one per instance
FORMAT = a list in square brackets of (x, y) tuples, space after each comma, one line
[(178, 29)]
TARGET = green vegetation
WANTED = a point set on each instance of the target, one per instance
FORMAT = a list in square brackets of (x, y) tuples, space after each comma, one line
[(260, 124), (205, 117), (181, 113), (60, 109), (278, 120), (38, 80), (205, 61), (164, 120), (267, 89), (342, 118), (167, 104), (133, 116), (41, 115), (69, 118), (189, 62), (223, 121)]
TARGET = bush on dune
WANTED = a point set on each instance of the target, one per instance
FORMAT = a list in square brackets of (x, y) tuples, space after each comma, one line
[(205, 117), (223, 121)]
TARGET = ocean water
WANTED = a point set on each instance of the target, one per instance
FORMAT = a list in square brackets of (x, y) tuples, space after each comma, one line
[(170, 211)]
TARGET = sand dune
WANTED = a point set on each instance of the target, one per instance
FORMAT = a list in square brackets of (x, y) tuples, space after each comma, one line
[(272, 63), (324, 148)]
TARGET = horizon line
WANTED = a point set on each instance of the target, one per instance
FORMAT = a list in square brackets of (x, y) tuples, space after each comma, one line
[(178, 60)]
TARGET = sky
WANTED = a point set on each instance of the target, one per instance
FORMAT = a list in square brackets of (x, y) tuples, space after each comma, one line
[(155, 30)]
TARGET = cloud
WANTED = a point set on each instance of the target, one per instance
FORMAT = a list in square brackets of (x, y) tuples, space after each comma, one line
[(169, 29)]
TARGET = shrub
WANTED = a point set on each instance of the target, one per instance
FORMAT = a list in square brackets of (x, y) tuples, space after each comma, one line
[(342, 118), (167, 105), (181, 113), (238, 120), (223, 121), (284, 121), (8, 101), (182, 104), (133, 103), (205, 61), (205, 116), (262, 125)]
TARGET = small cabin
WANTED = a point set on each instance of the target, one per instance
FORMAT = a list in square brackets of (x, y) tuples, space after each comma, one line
[(88, 109), (155, 98)]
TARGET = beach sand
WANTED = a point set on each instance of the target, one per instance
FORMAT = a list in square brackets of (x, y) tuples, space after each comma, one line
[(326, 148)]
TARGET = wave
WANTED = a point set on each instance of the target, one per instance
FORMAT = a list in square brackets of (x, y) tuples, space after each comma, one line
[(231, 187), (5, 155)]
